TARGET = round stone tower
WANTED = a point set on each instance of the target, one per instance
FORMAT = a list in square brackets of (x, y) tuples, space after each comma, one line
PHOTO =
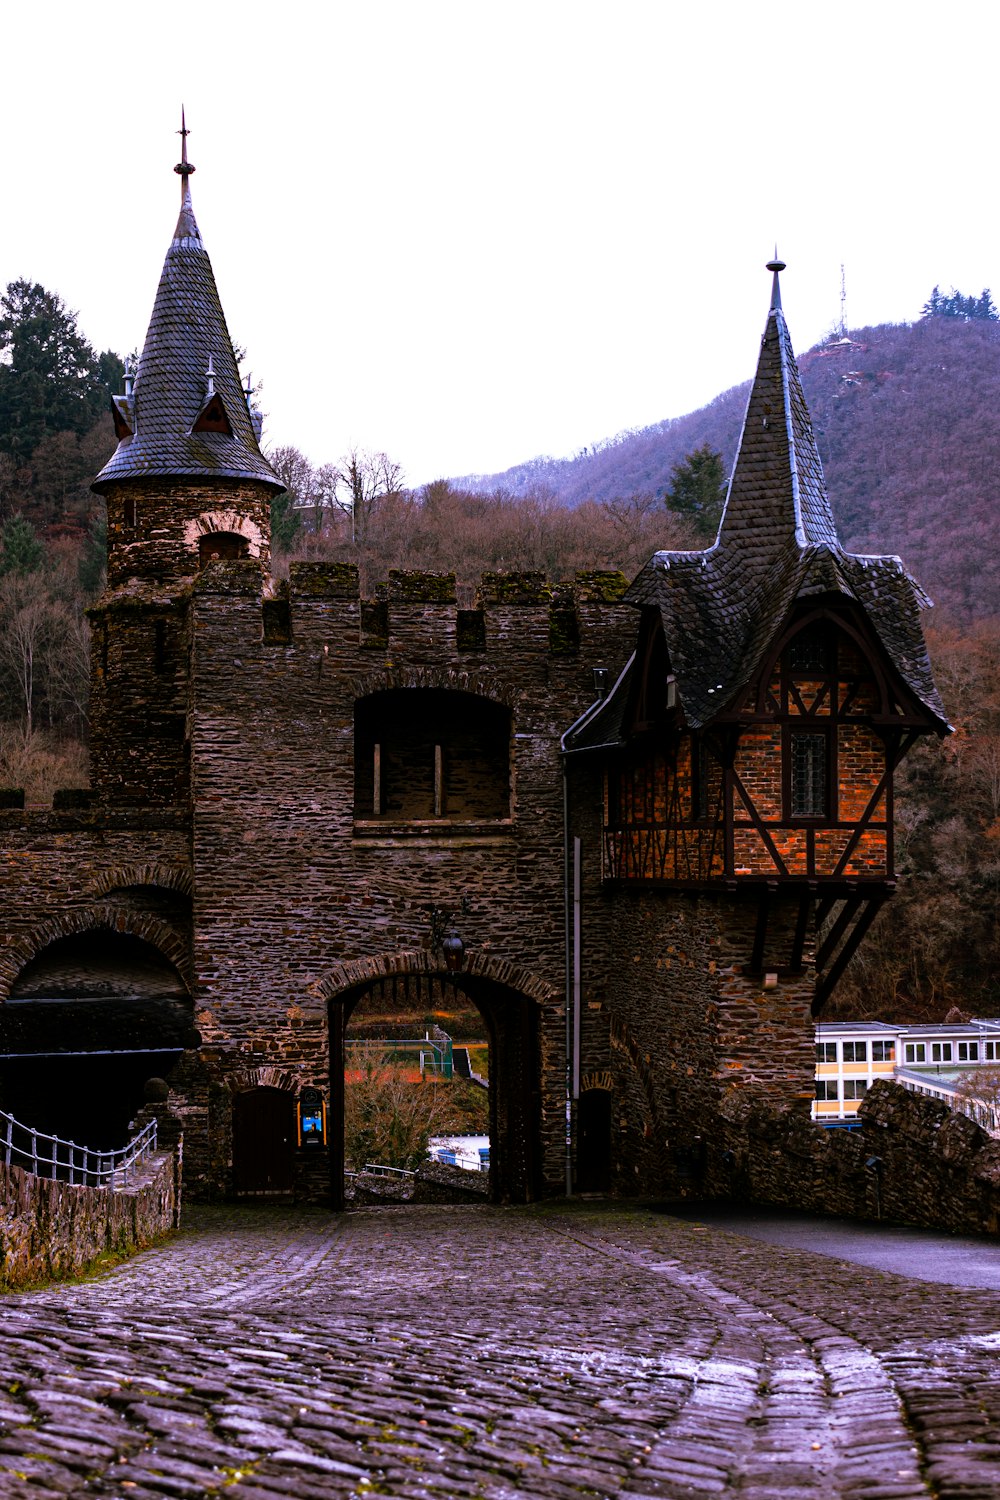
[(186, 486)]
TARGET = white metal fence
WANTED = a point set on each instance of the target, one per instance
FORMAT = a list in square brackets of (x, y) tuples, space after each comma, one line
[(48, 1156)]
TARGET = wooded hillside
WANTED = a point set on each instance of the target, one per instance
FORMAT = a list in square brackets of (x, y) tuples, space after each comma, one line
[(908, 429)]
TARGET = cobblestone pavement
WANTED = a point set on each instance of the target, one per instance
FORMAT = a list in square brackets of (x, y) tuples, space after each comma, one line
[(560, 1351)]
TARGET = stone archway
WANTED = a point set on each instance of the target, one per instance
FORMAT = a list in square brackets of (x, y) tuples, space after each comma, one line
[(509, 1000), (93, 1010)]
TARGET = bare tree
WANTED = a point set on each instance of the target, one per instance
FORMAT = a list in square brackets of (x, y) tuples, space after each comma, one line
[(978, 1094), (388, 1117), (364, 480)]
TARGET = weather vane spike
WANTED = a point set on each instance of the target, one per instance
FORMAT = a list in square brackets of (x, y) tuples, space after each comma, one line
[(776, 266), (184, 167)]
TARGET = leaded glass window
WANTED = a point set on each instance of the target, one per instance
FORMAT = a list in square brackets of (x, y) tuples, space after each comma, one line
[(808, 776)]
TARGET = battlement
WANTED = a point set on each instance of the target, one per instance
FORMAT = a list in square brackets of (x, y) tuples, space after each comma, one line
[(555, 609)]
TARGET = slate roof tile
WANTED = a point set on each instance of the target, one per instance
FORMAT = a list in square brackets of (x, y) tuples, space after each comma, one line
[(186, 328), (723, 608)]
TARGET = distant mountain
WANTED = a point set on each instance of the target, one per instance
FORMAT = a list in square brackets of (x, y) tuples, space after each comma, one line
[(908, 424)]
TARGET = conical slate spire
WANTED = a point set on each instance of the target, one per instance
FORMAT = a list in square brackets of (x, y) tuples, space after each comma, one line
[(186, 332), (722, 609), (777, 495), (187, 228)]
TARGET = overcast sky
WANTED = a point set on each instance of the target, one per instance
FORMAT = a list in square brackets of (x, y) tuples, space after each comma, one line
[(469, 233)]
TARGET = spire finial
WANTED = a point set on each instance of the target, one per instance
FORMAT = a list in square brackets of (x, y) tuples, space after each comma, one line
[(184, 167), (777, 266)]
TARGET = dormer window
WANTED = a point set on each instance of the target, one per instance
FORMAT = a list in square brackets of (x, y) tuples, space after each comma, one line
[(213, 417)]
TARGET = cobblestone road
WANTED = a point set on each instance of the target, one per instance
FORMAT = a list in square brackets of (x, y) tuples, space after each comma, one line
[(476, 1351)]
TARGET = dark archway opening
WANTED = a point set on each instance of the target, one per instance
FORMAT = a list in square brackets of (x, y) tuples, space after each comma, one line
[(88, 1021), (509, 1023)]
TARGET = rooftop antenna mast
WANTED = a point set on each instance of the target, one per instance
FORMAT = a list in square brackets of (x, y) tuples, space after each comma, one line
[(843, 302)]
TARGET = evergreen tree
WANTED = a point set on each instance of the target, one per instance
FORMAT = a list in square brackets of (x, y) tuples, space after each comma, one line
[(21, 552), (92, 569), (955, 304), (51, 380), (285, 521), (697, 489)]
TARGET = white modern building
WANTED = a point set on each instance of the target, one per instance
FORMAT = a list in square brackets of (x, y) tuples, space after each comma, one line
[(929, 1060)]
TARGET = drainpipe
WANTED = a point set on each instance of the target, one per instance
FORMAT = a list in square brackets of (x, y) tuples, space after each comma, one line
[(568, 936), (572, 907)]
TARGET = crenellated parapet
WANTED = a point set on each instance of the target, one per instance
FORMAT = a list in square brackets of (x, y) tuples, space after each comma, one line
[(555, 617)]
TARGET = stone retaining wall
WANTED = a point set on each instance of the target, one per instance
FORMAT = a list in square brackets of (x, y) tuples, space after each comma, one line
[(51, 1230), (914, 1161)]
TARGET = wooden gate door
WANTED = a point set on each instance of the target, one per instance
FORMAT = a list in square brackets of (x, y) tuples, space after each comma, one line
[(263, 1141)]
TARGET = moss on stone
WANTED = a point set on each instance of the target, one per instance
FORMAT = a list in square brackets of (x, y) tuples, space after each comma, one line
[(313, 580), (411, 586), (71, 798), (601, 586), (515, 588)]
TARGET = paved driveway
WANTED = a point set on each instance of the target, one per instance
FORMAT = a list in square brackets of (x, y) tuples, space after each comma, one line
[(479, 1351)]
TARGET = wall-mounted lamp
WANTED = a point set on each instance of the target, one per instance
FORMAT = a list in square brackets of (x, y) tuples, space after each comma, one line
[(453, 949), (445, 936)]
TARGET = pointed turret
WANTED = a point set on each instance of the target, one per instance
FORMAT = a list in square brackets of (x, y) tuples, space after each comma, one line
[(721, 610), (187, 489), (187, 333), (777, 495)]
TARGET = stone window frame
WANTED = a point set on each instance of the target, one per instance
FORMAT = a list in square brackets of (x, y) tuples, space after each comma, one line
[(436, 821)]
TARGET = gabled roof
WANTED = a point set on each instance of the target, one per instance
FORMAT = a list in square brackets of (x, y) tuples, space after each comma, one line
[(187, 348), (722, 609)]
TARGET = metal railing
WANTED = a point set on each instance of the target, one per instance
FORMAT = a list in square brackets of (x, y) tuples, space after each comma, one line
[(65, 1161)]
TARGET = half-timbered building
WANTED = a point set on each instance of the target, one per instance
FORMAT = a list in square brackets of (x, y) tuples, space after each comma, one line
[(744, 763)]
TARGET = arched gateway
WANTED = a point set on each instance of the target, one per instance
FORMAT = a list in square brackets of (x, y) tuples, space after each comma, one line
[(510, 1001)]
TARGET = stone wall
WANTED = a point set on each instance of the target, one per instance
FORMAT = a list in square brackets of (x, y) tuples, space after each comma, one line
[(51, 1230), (58, 869), (290, 884), (685, 1024), (914, 1161)]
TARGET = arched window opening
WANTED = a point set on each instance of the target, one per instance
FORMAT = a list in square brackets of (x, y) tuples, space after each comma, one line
[(88, 1021), (425, 754), (221, 546)]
